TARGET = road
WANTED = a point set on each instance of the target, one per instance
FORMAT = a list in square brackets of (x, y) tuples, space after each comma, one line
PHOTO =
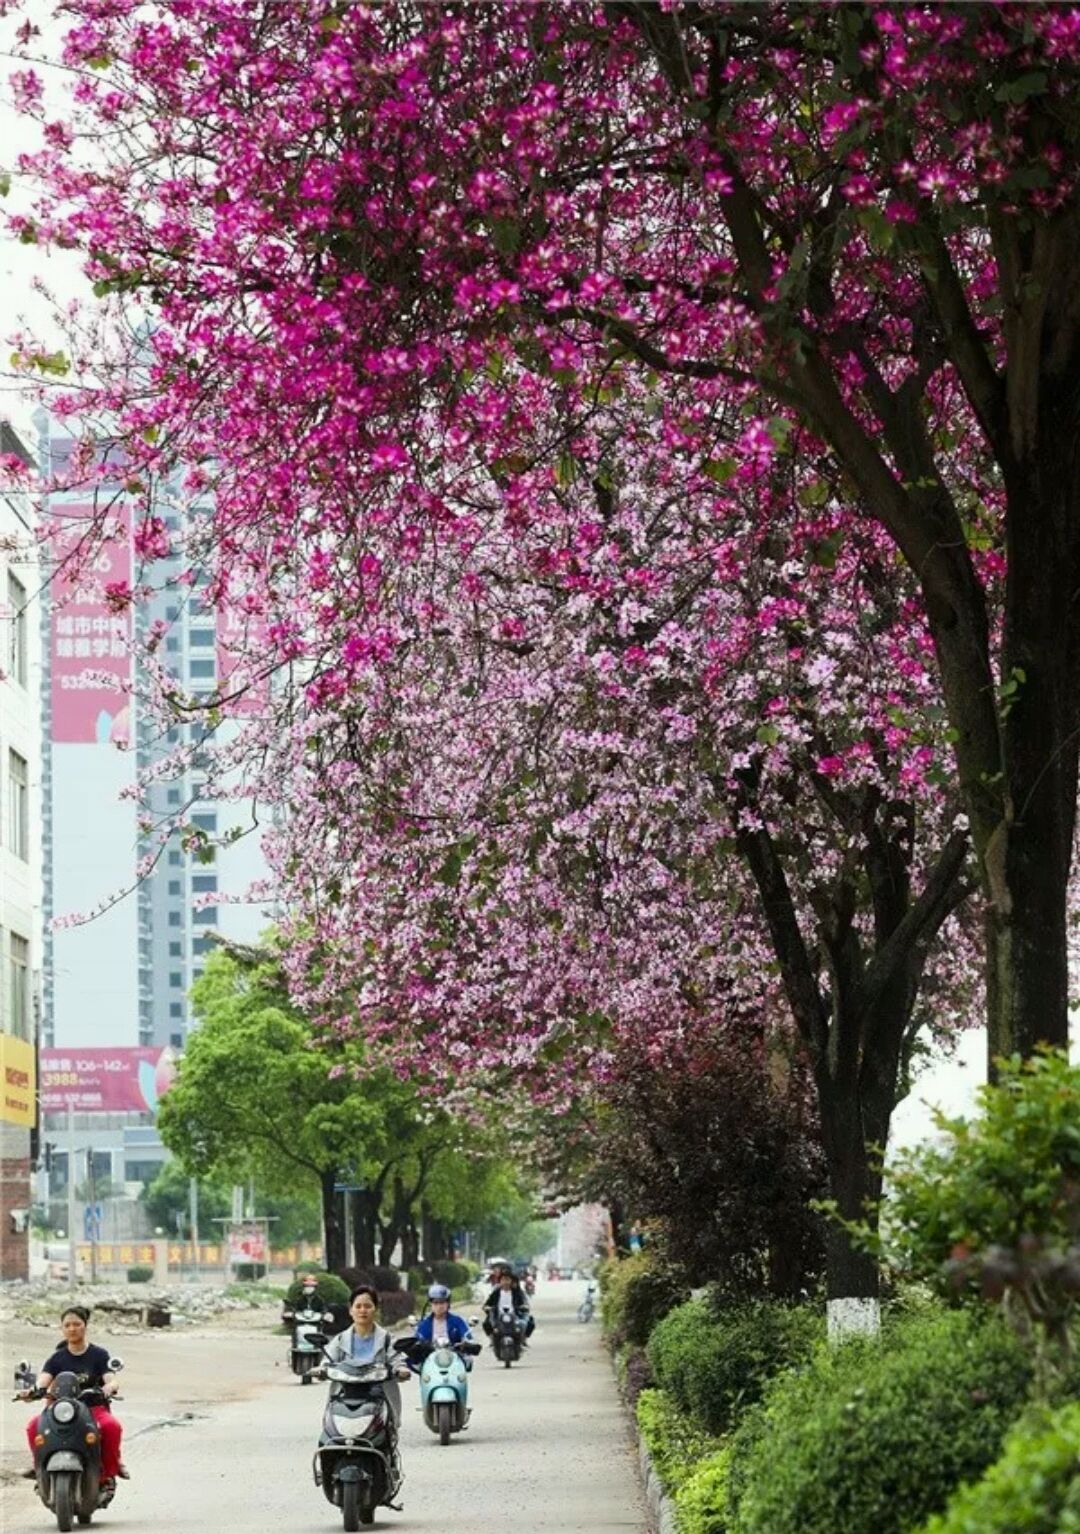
[(218, 1435)]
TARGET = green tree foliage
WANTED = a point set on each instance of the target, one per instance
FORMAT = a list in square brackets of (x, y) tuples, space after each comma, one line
[(1034, 1488), (994, 1209)]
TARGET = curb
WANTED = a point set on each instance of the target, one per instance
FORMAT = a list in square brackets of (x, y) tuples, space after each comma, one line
[(660, 1507)]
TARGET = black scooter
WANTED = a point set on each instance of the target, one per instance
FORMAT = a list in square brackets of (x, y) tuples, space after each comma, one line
[(67, 1445), (356, 1462), (507, 1335)]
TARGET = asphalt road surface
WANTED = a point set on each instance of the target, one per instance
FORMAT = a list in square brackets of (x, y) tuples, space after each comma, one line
[(218, 1435)]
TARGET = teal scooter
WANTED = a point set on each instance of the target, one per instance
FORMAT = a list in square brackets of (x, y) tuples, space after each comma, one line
[(444, 1384)]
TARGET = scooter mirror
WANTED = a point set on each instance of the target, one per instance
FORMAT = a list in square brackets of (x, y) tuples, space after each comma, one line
[(115, 1365), (411, 1320), (474, 1320), (22, 1366)]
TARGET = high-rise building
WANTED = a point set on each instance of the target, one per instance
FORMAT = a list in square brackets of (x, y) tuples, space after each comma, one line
[(20, 862), (122, 980)]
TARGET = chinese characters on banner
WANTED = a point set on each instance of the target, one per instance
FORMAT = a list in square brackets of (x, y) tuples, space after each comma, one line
[(104, 1080), (91, 645)]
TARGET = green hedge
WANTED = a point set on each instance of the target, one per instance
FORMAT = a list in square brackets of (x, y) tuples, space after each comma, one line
[(676, 1445), (455, 1275), (635, 1293), (715, 1362), (334, 1290), (877, 1436), (701, 1501), (1034, 1488)]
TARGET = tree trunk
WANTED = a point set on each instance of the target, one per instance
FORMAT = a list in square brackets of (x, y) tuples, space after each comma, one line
[(410, 1247), (363, 1226), (334, 1257), (1028, 860)]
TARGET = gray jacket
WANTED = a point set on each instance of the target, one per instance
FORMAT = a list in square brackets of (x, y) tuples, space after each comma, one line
[(339, 1350)]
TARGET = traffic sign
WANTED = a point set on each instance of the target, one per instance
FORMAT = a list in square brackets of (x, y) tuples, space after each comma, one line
[(93, 1217)]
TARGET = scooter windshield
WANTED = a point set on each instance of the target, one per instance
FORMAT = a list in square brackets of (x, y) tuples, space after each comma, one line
[(66, 1384)]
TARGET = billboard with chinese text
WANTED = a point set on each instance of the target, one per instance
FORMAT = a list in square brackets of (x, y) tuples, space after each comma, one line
[(90, 656), (17, 1073), (104, 1080)]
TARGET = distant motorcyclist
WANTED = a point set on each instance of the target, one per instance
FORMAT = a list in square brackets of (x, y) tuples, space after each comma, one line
[(508, 1296)]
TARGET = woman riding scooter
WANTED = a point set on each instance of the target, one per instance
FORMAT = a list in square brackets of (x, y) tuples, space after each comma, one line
[(76, 1355)]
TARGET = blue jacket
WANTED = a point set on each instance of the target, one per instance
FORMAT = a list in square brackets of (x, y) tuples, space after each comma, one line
[(457, 1329)]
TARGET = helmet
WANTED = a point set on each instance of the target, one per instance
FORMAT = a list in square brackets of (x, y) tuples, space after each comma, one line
[(438, 1292)]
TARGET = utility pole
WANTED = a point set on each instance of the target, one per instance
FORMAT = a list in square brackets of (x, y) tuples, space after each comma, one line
[(72, 1270), (92, 1232), (193, 1212)]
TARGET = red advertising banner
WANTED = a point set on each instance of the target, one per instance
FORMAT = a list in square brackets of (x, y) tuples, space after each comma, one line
[(90, 644), (104, 1080), (247, 1243)]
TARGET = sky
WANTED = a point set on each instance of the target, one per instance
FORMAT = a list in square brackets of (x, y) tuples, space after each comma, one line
[(948, 1083)]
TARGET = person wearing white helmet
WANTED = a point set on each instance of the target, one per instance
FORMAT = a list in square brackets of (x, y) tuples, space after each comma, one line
[(440, 1325)]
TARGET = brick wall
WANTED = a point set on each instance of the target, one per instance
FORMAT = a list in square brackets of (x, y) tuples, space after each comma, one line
[(14, 1194)]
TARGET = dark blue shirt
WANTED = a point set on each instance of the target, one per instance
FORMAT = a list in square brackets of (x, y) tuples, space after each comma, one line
[(94, 1362)]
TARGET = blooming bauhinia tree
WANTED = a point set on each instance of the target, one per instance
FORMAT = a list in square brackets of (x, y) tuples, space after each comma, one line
[(383, 244)]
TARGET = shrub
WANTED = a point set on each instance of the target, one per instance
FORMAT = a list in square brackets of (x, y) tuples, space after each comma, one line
[(637, 1377), (877, 1435), (453, 1274), (676, 1445), (140, 1275), (381, 1276), (701, 1501), (716, 1362), (333, 1289), (395, 1305), (1034, 1488), (991, 1209), (636, 1292)]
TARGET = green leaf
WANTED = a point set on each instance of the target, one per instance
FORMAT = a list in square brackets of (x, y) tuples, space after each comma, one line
[(1014, 91)]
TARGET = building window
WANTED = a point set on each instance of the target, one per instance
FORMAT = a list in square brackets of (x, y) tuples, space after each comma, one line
[(141, 1171), (176, 1009), (175, 859), (176, 1040), (18, 806), (20, 987), (176, 950), (175, 887), (203, 945), (176, 980), (204, 883), (17, 654), (200, 668), (176, 918), (172, 644), (205, 822), (202, 639), (207, 918), (173, 796)]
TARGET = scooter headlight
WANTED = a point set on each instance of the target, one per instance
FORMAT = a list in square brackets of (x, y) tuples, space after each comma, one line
[(64, 1411), (444, 1358), (353, 1427)]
